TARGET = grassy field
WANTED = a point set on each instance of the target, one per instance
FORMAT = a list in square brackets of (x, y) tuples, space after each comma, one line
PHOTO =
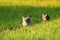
[(11, 12), (11, 17)]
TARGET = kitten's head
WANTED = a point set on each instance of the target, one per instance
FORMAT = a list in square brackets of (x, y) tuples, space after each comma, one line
[(45, 15)]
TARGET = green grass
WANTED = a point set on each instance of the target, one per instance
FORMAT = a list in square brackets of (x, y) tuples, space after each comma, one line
[(11, 16)]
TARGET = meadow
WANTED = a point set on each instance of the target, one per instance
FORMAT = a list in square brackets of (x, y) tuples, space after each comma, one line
[(11, 12), (11, 19)]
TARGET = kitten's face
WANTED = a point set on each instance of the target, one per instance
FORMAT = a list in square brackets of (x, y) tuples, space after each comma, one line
[(44, 15), (24, 21)]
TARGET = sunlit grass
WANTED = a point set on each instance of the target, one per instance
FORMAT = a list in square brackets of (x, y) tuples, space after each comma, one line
[(42, 31), (30, 3)]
